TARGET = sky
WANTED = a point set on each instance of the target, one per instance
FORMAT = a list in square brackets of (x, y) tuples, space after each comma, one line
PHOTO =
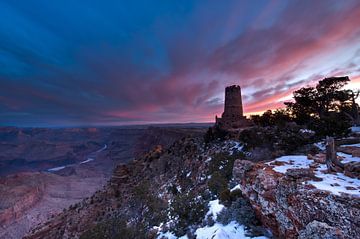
[(74, 63)]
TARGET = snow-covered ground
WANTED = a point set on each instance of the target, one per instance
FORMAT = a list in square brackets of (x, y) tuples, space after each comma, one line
[(214, 209), (236, 147), (291, 161), (217, 231), (335, 183), (355, 129), (320, 145), (351, 145)]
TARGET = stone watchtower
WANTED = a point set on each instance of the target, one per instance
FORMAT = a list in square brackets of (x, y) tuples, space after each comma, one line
[(233, 103), (233, 111)]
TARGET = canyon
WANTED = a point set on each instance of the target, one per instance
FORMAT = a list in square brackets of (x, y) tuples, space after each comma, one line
[(44, 171)]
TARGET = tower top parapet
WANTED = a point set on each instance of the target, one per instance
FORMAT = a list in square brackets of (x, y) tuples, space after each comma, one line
[(233, 88)]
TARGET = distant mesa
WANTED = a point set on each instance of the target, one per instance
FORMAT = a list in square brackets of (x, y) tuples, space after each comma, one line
[(233, 116)]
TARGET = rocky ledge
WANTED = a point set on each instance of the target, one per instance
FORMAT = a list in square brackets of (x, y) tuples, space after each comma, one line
[(289, 202), (17, 194)]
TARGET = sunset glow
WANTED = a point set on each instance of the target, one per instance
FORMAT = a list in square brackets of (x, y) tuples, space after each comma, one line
[(155, 61)]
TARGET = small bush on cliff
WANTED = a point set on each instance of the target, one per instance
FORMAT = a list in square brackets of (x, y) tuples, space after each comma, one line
[(116, 228), (217, 183), (274, 139), (215, 133), (241, 211), (145, 203), (227, 197), (186, 209), (220, 169), (224, 163)]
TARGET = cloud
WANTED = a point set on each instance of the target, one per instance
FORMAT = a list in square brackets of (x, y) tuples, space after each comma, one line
[(165, 62)]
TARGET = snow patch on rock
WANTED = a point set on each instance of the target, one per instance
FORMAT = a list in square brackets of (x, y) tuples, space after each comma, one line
[(218, 231), (214, 208), (335, 183), (291, 162)]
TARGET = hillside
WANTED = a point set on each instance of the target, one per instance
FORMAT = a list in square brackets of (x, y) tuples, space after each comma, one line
[(37, 184), (193, 189)]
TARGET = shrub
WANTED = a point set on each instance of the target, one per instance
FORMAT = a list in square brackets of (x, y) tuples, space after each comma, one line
[(187, 209), (240, 211), (220, 169), (144, 202), (224, 163), (275, 140), (217, 183), (116, 228), (334, 124), (214, 133), (225, 197)]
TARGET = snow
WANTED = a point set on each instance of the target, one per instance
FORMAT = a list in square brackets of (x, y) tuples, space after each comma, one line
[(320, 145), (237, 187), (347, 158), (214, 208), (335, 183), (291, 162), (355, 129), (167, 235), (236, 147), (218, 231), (303, 131), (350, 145)]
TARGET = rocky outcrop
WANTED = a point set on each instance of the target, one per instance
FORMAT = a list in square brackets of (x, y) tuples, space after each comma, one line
[(164, 137), (291, 208), (320, 230), (18, 193), (162, 168), (283, 202)]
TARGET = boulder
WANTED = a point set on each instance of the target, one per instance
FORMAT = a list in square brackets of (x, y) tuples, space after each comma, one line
[(320, 230), (352, 169), (287, 206), (300, 173), (241, 167)]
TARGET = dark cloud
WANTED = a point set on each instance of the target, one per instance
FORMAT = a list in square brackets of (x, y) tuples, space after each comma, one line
[(68, 63)]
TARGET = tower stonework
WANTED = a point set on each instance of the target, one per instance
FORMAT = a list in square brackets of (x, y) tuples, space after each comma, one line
[(233, 116)]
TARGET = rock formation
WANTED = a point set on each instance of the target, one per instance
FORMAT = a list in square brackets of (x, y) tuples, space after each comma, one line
[(174, 178), (293, 209), (232, 117)]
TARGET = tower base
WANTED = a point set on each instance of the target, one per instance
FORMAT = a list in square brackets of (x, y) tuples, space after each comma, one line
[(233, 123)]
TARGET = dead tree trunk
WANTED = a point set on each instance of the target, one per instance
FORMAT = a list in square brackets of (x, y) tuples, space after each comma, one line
[(332, 163)]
